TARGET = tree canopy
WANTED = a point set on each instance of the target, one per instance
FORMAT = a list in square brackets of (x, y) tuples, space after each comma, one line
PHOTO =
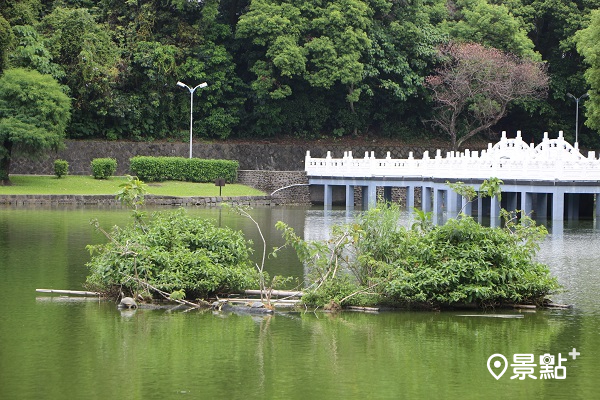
[(286, 67), (34, 113), (474, 86)]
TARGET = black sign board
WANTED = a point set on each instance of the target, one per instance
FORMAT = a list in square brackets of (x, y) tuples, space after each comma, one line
[(220, 183)]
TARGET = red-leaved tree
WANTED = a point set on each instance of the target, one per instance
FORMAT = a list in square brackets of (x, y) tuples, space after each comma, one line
[(474, 86)]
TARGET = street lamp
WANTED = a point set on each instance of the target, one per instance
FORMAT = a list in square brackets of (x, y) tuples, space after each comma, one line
[(583, 96), (202, 85)]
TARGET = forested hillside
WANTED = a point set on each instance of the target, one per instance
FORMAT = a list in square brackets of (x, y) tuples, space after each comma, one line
[(300, 68)]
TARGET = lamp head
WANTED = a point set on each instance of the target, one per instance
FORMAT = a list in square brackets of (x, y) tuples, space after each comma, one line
[(179, 83), (203, 85), (570, 95)]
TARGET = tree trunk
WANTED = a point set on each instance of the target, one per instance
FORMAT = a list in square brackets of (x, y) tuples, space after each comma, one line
[(5, 165)]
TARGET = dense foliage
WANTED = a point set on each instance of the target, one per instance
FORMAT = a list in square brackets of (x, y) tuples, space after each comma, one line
[(173, 252), (279, 67), (377, 261), (153, 169), (34, 112)]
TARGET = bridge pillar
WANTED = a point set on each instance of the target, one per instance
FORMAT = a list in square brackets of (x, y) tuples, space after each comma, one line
[(597, 205), (452, 203), (466, 206), (438, 201), (479, 208), (558, 205), (426, 199), (327, 195), (494, 211), (369, 196), (526, 203), (349, 197), (410, 197)]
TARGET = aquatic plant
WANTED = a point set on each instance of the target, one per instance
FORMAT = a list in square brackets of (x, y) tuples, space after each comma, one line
[(375, 260)]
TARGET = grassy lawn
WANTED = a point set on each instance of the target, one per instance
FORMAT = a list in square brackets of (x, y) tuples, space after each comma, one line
[(77, 184)]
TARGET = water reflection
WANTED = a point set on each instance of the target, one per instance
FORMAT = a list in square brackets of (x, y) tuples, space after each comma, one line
[(55, 349)]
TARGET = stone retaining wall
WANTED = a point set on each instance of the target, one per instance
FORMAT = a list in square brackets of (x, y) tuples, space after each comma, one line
[(109, 200), (280, 181), (251, 156)]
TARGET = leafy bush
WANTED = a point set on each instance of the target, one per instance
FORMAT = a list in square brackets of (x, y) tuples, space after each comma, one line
[(103, 168), (152, 169), (461, 262), (174, 253), (61, 168)]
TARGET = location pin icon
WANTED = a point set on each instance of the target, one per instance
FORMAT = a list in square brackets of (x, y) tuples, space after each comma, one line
[(495, 366)]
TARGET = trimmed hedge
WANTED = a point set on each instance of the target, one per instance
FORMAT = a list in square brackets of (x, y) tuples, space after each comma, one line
[(61, 168), (156, 169), (103, 168)]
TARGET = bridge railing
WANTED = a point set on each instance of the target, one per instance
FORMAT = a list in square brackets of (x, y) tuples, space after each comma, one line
[(553, 159)]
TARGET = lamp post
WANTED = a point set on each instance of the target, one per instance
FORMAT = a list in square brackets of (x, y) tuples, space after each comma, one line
[(583, 96), (192, 90)]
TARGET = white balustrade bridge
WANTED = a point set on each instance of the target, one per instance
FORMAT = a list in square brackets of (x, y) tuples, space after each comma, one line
[(552, 176)]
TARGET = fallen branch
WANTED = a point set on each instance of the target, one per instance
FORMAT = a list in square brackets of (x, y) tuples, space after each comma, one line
[(165, 294), (239, 300), (359, 291), (283, 293), (76, 292), (524, 306), (365, 309)]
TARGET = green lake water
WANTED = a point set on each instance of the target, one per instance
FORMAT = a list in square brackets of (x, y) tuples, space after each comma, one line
[(51, 348)]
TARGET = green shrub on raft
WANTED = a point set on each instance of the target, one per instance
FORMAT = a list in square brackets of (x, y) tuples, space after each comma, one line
[(156, 169), (173, 252), (103, 168), (463, 262), (459, 263)]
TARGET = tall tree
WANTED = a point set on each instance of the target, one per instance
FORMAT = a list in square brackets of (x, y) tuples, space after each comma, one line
[(474, 86), (34, 112), (551, 24), (90, 59), (30, 52), (320, 43), (491, 25), (405, 36), (588, 45), (6, 38)]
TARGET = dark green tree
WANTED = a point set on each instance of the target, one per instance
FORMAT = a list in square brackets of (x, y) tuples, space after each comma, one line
[(34, 112), (6, 38), (491, 25), (30, 52), (588, 46), (90, 60), (551, 25), (321, 44)]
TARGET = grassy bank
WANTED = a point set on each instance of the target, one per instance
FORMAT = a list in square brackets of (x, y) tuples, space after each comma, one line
[(77, 184)]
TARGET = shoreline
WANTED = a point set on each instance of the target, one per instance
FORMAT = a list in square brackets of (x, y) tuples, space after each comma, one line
[(154, 200)]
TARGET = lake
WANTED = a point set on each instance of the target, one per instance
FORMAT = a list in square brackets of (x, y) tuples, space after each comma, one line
[(51, 348)]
